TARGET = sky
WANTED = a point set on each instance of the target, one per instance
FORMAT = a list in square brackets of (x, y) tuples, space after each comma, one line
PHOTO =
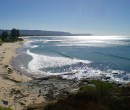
[(99, 17)]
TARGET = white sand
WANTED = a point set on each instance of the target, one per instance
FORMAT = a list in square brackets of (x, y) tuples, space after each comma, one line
[(20, 100)]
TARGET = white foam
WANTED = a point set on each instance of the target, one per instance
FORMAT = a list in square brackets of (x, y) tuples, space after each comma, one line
[(95, 73), (43, 61), (34, 46), (28, 44)]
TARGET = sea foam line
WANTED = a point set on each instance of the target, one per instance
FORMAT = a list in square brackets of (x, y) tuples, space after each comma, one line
[(43, 61)]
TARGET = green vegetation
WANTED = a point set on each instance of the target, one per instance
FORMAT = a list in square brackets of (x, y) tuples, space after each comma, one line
[(3, 108), (12, 37), (96, 96), (98, 90), (4, 35), (1, 42), (15, 34)]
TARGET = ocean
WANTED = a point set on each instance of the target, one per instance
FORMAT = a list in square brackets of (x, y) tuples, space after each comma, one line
[(75, 57)]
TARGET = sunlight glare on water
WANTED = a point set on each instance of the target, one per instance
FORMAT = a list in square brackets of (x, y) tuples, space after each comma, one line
[(84, 56)]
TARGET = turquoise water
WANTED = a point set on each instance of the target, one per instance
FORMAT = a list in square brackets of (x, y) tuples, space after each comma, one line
[(76, 56)]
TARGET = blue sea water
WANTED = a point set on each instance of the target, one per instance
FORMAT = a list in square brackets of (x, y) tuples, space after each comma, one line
[(76, 57)]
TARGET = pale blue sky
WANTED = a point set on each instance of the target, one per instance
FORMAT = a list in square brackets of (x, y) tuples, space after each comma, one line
[(100, 17)]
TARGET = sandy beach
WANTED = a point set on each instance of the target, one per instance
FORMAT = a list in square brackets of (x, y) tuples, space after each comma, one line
[(11, 89)]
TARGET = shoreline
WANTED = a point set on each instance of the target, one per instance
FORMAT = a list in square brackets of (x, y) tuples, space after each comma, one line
[(11, 89), (21, 91)]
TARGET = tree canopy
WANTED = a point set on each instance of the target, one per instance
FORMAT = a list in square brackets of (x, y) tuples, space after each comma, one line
[(13, 36), (4, 35)]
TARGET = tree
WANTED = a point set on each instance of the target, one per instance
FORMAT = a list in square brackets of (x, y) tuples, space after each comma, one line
[(15, 34), (18, 34), (4, 35)]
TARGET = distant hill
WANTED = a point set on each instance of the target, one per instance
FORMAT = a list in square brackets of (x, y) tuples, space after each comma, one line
[(45, 33), (82, 34)]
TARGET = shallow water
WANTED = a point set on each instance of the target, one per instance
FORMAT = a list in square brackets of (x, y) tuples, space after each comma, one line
[(76, 57)]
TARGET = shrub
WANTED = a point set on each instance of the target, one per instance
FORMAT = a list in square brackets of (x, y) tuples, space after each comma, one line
[(87, 92), (104, 88), (98, 96), (1, 42), (99, 91)]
